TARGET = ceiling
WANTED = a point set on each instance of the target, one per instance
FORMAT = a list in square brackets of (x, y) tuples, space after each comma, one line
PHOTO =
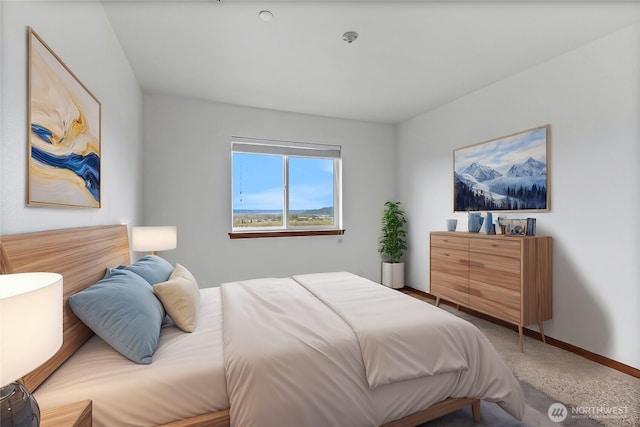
[(410, 57)]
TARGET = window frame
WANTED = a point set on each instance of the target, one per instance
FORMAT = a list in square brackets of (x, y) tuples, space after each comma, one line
[(288, 149)]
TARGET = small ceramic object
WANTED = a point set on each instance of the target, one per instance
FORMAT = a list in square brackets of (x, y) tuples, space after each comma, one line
[(488, 223), (475, 222), (452, 224)]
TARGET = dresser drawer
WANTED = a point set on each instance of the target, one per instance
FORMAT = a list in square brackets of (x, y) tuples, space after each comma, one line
[(505, 246), (497, 302), (494, 270), (451, 288), (450, 274), (451, 261), (450, 242)]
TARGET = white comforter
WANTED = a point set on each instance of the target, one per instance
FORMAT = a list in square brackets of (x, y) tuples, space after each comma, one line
[(185, 379), (327, 349)]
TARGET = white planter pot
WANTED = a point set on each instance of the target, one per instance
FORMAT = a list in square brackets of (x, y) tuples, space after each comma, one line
[(393, 274)]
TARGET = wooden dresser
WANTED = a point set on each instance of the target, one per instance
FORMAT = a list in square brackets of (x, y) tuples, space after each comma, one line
[(507, 277)]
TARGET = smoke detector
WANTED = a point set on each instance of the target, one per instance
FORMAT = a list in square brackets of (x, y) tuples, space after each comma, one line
[(350, 36), (266, 15)]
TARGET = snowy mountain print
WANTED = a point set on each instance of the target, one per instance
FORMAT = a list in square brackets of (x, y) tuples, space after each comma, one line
[(529, 168), (481, 173), (508, 173)]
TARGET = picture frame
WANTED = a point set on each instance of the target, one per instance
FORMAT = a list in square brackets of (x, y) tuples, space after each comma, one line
[(515, 227), (510, 173), (64, 133)]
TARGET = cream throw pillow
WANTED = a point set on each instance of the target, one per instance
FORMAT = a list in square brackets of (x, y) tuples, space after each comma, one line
[(180, 297)]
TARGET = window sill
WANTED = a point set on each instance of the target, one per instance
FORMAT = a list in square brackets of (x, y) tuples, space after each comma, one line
[(284, 233)]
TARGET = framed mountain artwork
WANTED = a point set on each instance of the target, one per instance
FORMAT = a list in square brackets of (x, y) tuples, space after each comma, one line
[(64, 133), (509, 173)]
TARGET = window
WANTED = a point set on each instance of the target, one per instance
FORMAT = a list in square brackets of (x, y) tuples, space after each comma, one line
[(284, 188)]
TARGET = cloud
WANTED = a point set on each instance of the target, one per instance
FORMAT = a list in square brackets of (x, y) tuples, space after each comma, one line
[(502, 153), (264, 200), (311, 196)]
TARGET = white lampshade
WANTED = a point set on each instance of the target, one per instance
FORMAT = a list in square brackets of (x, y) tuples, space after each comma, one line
[(153, 239), (30, 322)]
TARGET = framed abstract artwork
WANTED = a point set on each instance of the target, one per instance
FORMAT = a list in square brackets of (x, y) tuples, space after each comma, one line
[(64, 128), (503, 174)]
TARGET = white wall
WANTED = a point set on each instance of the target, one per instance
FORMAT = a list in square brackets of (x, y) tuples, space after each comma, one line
[(187, 180), (590, 97), (81, 35)]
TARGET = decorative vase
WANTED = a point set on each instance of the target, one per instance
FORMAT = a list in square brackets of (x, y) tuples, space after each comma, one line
[(475, 222), (488, 223)]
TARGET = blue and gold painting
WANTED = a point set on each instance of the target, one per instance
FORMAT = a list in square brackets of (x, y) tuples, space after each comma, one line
[(64, 133)]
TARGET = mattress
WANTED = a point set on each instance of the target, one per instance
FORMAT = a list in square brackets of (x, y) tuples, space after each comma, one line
[(185, 379)]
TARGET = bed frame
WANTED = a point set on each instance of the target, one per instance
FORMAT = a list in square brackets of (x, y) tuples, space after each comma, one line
[(81, 256)]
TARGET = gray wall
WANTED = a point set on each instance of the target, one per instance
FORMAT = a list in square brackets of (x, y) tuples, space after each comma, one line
[(187, 180), (590, 97), (94, 55)]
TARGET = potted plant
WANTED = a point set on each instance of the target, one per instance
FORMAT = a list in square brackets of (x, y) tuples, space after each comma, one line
[(393, 245)]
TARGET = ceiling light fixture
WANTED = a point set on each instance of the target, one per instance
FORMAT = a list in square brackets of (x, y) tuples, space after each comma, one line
[(350, 36), (265, 15)]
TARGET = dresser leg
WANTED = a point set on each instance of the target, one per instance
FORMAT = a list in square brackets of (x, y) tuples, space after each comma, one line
[(437, 301), (544, 340), (521, 340)]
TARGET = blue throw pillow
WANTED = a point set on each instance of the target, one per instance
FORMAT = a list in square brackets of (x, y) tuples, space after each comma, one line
[(122, 310), (151, 268)]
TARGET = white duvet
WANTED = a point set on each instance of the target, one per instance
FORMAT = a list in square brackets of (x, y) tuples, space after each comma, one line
[(334, 349), (292, 359)]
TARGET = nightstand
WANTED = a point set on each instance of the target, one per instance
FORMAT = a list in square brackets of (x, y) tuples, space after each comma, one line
[(73, 415)]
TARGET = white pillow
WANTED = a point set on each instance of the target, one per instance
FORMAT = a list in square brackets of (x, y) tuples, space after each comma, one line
[(180, 296)]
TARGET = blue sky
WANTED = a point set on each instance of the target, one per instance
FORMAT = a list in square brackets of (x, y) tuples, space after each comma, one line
[(258, 181)]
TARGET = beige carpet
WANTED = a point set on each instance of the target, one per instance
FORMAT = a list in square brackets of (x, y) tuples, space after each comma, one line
[(565, 376)]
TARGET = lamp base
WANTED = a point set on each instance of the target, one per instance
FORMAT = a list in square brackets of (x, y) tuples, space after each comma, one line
[(18, 408)]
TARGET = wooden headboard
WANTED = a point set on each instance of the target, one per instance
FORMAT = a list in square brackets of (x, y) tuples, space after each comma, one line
[(81, 256)]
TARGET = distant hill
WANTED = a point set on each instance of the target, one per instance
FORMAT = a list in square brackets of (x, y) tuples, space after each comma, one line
[(321, 211)]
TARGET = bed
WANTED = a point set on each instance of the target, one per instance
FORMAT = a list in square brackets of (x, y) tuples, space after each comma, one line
[(336, 367)]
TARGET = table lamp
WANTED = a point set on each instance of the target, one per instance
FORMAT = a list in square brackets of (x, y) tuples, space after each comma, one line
[(30, 333), (154, 239)]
